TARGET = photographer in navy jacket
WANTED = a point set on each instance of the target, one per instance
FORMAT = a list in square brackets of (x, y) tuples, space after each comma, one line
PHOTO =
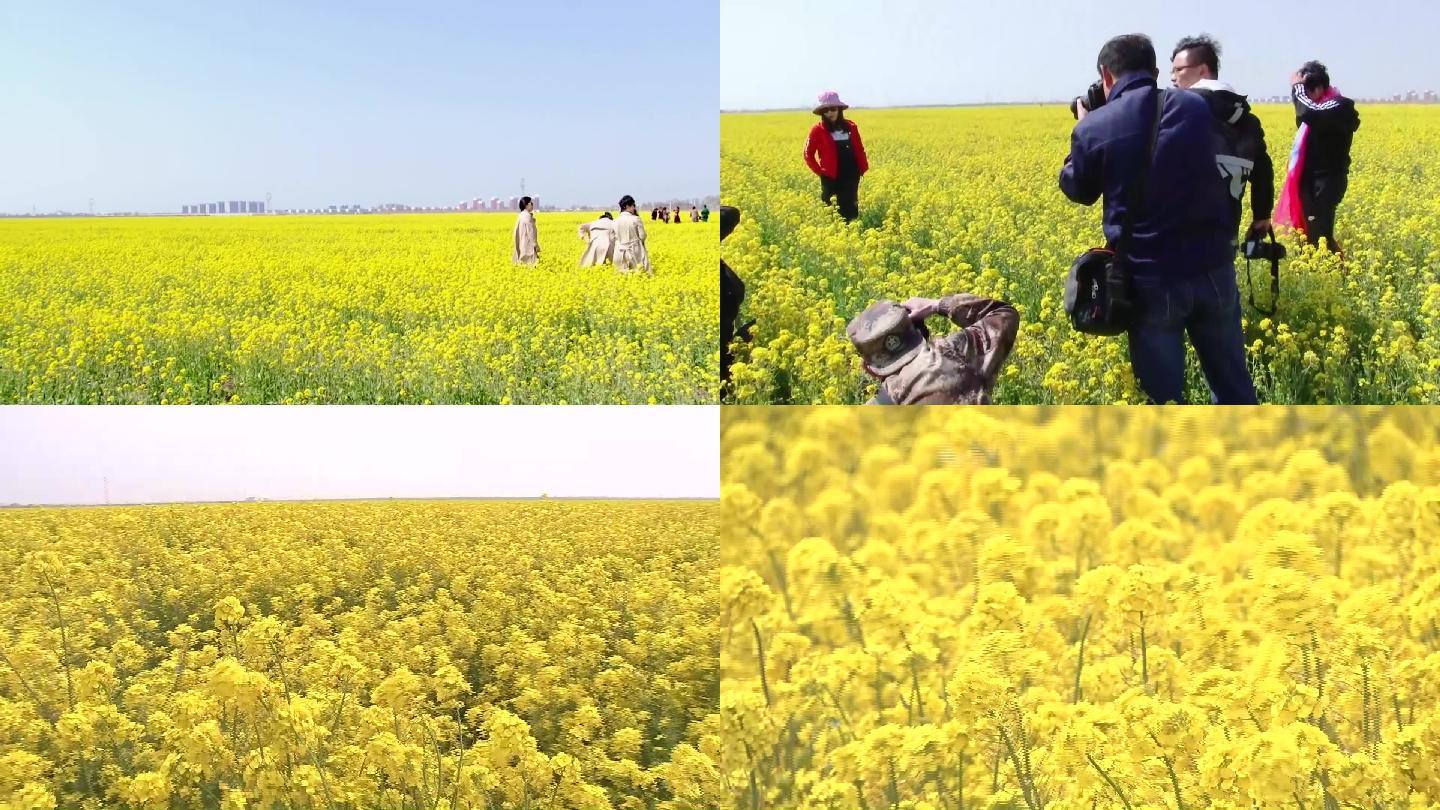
[(1181, 248)]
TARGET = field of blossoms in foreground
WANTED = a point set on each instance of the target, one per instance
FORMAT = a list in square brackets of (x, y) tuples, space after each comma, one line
[(358, 310), (409, 655), (1080, 608)]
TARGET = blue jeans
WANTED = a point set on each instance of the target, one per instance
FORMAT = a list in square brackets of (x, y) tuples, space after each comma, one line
[(1207, 307)]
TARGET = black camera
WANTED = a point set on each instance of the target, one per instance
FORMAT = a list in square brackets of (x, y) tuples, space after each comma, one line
[(1093, 99), (1257, 248)]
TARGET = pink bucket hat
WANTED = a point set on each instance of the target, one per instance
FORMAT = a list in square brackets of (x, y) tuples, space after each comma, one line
[(828, 99)]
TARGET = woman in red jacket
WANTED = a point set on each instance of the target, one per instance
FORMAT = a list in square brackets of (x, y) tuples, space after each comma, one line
[(835, 153)]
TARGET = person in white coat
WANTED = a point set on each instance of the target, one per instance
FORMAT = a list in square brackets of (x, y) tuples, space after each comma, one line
[(601, 237), (526, 248), (630, 253)]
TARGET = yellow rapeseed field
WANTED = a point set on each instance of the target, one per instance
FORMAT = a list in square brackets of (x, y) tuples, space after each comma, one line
[(966, 199), (1080, 608), (364, 309), (406, 655)]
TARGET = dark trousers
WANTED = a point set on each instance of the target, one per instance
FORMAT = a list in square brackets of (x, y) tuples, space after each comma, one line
[(1320, 195), (845, 191), (1205, 306)]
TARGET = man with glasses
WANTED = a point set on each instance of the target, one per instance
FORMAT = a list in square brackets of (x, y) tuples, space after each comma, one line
[(1240, 139)]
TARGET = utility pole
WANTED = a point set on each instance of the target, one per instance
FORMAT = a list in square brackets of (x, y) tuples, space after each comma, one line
[(107, 490), (92, 206)]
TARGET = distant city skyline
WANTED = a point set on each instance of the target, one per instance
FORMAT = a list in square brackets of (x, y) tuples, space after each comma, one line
[(352, 103), (261, 207)]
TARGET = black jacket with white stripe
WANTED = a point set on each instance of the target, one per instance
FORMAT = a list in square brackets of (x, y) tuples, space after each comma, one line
[(1332, 126)]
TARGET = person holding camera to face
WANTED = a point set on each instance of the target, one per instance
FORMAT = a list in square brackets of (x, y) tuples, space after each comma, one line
[(1331, 121), (1151, 156), (914, 369)]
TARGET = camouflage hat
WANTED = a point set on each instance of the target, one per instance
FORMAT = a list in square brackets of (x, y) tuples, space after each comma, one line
[(885, 337)]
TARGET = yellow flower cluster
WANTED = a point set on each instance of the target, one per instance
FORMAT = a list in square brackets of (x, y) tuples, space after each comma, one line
[(374, 309), (967, 200), (1068, 608), (357, 655)]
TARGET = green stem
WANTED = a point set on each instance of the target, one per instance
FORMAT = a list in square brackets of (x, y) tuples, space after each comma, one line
[(1080, 661), (64, 641), (1019, 771), (760, 653), (1144, 660), (39, 704), (1109, 781)]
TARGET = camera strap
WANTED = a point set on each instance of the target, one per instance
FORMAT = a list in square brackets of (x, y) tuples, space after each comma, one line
[(1274, 280), (1137, 187)]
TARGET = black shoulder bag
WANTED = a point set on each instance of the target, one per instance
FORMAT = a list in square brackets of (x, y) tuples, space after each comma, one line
[(1098, 293)]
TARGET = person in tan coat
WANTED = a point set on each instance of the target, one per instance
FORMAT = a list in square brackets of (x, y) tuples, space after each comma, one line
[(914, 369), (526, 248), (630, 252), (601, 237)]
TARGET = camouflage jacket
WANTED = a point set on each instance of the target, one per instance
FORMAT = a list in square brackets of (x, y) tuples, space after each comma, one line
[(961, 367)]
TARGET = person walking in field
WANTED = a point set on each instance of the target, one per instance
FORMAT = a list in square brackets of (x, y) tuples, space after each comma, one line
[(630, 254), (732, 295), (915, 369), (601, 237), (677, 215), (1326, 123), (527, 239), (705, 213), (694, 214), (835, 153)]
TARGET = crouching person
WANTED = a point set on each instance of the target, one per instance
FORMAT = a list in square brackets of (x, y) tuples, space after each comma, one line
[(914, 369)]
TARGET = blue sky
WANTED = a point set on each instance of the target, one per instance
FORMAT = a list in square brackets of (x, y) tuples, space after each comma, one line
[(781, 54), (366, 102), (168, 453)]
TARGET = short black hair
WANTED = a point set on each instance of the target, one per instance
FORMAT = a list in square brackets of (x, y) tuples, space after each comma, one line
[(729, 218), (1203, 49), (524, 201), (606, 215), (626, 202), (1128, 53), (1316, 76)]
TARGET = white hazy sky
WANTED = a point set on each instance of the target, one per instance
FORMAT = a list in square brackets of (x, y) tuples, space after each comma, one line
[(900, 52), (62, 455)]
